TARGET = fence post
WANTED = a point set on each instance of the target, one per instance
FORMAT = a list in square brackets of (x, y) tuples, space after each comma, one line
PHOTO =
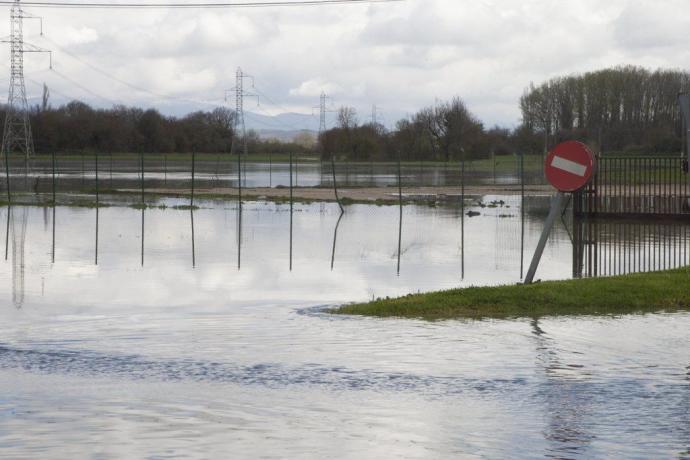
[(193, 163), (239, 177), (401, 212), (53, 158), (7, 174), (142, 182), (335, 186), (97, 197), (291, 210)]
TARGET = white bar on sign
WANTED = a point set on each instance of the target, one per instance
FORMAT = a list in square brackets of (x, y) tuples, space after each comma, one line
[(569, 166)]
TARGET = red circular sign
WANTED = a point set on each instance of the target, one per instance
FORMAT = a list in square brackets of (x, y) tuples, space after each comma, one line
[(570, 166)]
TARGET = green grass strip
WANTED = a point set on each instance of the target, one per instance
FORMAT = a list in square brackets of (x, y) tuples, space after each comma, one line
[(667, 291)]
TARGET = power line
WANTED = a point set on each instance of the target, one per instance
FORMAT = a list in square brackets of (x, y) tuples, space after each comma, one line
[(275, 117), (271, 101), (126, 83), (206, 5), (52, 91), (83, 88)]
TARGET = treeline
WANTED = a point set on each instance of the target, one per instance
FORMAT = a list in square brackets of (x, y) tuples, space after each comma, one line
[(624, 109), (446, 131), (621, 109), (77, 127)]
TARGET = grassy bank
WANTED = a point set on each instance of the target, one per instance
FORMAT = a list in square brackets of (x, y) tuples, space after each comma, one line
[(638, 293)]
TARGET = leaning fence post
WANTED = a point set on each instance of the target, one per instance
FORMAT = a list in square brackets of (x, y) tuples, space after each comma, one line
[(335, 185)]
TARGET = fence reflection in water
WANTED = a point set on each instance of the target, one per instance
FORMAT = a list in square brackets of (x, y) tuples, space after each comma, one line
[(619, 247)]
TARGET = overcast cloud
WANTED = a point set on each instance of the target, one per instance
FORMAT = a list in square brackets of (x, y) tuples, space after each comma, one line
[(400, 56)]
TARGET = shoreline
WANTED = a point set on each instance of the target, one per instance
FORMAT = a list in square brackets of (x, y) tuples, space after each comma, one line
[(374, 195)]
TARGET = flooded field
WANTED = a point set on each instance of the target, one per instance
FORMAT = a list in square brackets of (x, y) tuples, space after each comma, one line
[(214, 171), (171, 333)]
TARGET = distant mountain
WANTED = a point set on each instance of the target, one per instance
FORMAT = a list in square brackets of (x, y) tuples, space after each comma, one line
[(281, 122), (284, 135), (284, 126)]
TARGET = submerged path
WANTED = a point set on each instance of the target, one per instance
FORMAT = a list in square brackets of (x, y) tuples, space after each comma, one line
[(363, 194)]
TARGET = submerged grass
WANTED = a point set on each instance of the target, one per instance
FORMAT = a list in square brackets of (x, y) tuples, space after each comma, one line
[(90, 204), (667, 291)]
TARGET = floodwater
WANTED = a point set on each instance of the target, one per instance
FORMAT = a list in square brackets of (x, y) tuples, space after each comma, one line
[(158, 172), (172, 334)]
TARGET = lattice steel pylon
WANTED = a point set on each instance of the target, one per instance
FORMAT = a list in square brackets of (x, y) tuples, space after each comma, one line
[(17, 133), (322, 113), (240, 126), (323, 110)]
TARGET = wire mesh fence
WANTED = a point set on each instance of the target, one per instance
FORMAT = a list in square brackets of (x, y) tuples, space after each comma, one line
[(171, 172)]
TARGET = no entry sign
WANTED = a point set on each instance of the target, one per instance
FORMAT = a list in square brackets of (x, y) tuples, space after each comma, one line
[(570, 166)]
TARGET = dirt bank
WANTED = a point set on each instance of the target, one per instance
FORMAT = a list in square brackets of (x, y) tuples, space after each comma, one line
[(365, 194)]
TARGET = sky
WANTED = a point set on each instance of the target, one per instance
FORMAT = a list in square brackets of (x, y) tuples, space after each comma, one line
[(399, 56)]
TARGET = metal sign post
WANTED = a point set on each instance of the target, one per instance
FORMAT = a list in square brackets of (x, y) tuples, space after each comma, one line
[(568, 167), (556, 205)]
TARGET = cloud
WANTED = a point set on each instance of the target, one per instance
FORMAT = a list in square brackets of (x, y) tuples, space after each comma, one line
[(400, 56), (644, 25), (314, 87), (78, 36)]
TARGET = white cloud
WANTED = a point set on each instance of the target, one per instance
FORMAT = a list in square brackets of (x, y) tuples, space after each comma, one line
[(400, 56), (314, 87), (78, 36)]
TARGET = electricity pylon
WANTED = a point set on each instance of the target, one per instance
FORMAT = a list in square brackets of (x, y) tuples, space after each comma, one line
[(240, 94), (375, 111), (17, 132), (322, 112), (322, 129)]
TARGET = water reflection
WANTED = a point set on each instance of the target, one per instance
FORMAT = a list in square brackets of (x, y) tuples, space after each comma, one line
[(618, 247), (96, 249), (567, 402), (400, 237), (191, 219), (7, 232), (19, 218), (599, 248), (239, 235), (122, 348), (522, 234), (335, 238), (142, 235), (292, 206), (52, 247)]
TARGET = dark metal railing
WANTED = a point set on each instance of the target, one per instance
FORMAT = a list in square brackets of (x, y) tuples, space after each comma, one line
[(636, 186)]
